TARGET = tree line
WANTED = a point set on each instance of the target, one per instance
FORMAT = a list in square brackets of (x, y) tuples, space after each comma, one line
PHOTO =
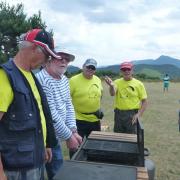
[(101, 74)]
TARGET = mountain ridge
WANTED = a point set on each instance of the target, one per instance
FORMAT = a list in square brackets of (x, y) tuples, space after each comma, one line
[(159, 67)]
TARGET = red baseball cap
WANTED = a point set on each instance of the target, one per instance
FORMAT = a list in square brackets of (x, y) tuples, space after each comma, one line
[(41, 38), (126, 65)]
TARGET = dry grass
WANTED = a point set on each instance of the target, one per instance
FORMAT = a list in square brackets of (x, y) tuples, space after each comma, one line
[(160, 122)]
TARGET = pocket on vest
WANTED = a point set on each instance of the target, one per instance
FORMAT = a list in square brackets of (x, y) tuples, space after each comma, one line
[(19, 121), (20, 156)]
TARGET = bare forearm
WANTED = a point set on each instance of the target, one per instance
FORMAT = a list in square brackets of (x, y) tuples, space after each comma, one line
[(1, 115), (110, 83), (112, 90), (143, 107), (1, 166), (2, 174)]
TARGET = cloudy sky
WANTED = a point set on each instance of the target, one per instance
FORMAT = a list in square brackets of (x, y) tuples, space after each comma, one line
[(111, 31)]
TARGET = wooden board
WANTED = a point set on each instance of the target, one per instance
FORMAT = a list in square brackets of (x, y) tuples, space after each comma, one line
[(142, 173), (113, 136)]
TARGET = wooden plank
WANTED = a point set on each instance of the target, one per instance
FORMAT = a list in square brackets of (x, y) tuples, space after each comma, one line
[(142, 173), (113, 136), (115, 139), (100, 133)]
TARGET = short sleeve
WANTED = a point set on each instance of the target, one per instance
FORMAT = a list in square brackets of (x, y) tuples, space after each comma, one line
[(6, 93)]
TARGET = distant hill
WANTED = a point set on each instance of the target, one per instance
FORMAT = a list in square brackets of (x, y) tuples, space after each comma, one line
[(154, 68), (159, 61), (158, 70), (150, 70), (72, 69)]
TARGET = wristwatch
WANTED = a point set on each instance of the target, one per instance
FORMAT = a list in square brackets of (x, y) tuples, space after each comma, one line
[(73, 130)]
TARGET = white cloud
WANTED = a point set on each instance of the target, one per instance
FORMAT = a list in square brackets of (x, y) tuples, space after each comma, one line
[(111, 31)]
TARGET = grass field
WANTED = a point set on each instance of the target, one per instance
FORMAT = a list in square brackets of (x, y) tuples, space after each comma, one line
[(160, 122)]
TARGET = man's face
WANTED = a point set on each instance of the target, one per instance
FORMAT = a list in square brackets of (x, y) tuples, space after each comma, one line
[(59, 66), (40, 57), (89, 71), (127, 73)]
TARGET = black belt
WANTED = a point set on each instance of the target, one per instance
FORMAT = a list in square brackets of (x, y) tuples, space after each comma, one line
[(128, 110)]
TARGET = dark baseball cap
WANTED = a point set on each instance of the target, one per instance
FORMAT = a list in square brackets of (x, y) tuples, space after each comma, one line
[(41, 38)]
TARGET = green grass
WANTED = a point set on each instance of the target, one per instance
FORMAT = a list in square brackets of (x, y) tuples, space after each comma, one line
[(151, 72), (160, 122)]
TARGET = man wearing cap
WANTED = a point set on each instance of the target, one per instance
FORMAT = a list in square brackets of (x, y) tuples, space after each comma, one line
[(130, 99), (86, 91), (56, 87), (25, 120)]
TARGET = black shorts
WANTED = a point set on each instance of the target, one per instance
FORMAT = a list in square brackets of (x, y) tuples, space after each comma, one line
[(84, 127)]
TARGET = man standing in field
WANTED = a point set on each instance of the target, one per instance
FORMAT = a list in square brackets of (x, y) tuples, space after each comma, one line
[(86, 91), (56, 87), (26, 129), (166, 83), (130, 99)]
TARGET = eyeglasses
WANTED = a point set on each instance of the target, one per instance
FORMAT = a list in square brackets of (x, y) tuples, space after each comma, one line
[(91, 67), (125, 69), (65, 59)]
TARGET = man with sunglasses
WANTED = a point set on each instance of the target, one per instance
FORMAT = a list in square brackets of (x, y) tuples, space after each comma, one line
[(86, 92), (56, 87), (130, 99), (26, 129)]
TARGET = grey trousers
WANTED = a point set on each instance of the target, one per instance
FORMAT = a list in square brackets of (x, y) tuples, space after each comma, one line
[(123, 121)]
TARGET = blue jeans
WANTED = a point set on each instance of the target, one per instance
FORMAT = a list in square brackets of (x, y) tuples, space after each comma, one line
[(57, 161), (35, 174)]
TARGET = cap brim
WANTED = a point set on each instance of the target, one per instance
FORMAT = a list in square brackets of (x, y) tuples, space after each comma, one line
[(48, 50), (126, 67), (70, 57), (89, 64)]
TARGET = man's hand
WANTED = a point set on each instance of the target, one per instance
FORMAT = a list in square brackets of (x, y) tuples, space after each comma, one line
[(78, 138), (135, 118), (108, 81), (72, 142), (112, 89), (2, 173), (48, 155)]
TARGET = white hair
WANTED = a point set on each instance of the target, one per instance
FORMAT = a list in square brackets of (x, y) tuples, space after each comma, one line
[(24, 44)]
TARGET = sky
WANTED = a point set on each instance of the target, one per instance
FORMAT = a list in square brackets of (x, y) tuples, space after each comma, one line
[(111, 31)]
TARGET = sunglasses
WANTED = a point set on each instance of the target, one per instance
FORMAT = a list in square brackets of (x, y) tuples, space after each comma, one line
[(125, 69), (66, 59), (91, 67)]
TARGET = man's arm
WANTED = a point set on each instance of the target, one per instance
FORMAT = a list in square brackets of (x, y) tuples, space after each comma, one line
[(143, 107), (71, 121), (140, 111), (1, 115), (112, 89), (2, 174)]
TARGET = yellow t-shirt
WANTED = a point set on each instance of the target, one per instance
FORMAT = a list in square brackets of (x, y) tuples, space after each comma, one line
[(86, 96), (129, 94), (6, 95)]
